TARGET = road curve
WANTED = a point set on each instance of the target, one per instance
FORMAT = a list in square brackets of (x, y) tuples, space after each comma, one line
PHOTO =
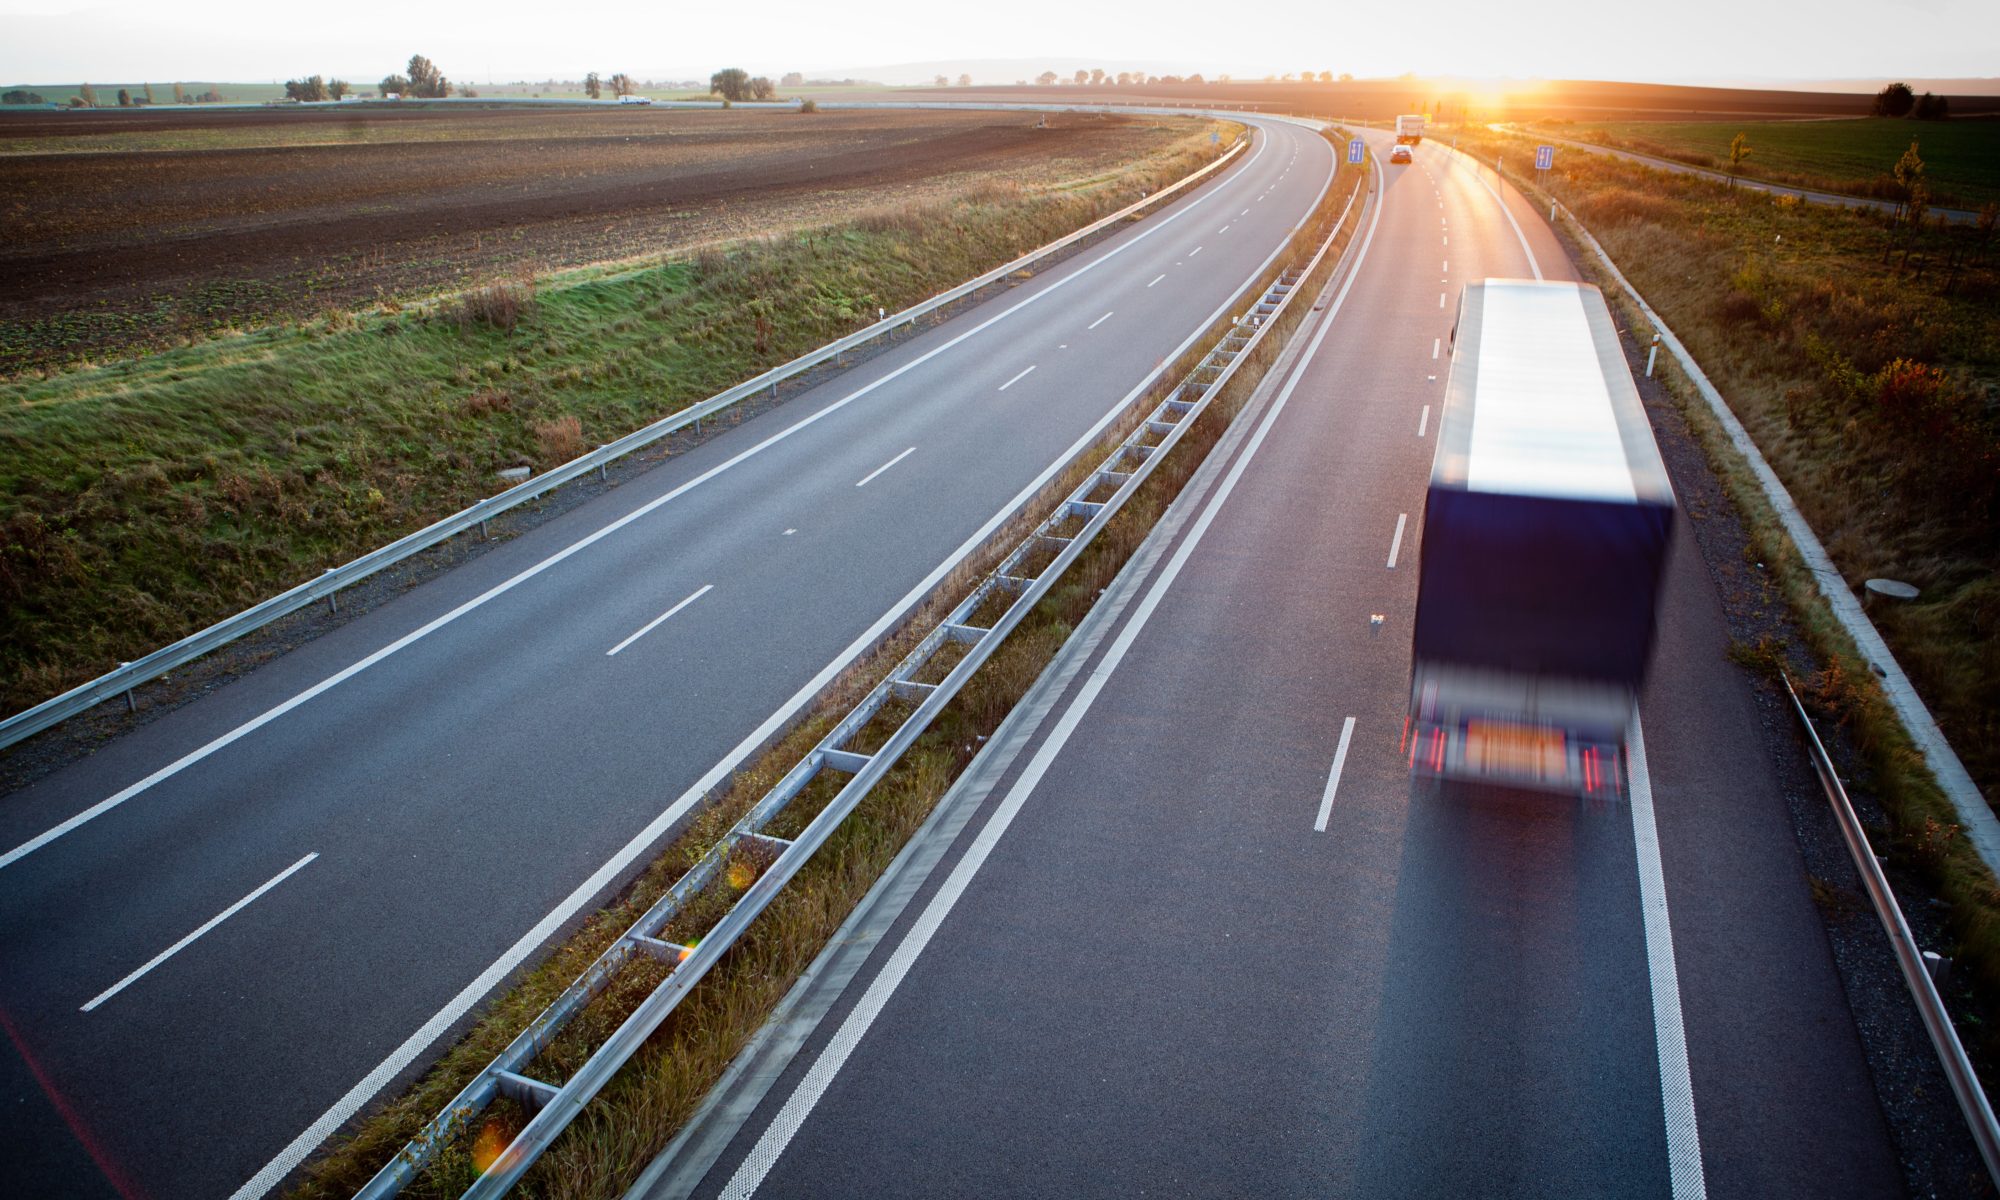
[(1196, 931), (260, 910)]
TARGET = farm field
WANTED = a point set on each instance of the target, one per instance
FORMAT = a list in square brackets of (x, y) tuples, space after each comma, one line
[(1962, 158), (174, 224)]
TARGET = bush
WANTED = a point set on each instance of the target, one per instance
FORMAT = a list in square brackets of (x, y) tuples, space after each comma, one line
[(560, 440), (808, 105), (499, 305)]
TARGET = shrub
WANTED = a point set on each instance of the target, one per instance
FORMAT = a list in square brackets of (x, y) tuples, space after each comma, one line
[(499, 305), (809, 105), (560, 440)]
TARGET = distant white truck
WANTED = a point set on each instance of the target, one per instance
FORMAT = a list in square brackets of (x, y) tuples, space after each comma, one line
[(1544, 541), (1409, 129), (635, 99)]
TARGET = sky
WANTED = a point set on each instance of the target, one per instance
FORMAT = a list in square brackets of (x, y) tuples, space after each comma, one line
[(53, 41)]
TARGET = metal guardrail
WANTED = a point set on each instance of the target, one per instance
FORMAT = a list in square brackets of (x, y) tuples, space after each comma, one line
[(129, 675), (1916, 972), (1027, 574)]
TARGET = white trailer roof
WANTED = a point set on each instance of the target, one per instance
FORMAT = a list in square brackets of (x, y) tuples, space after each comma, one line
[(1541, 402)]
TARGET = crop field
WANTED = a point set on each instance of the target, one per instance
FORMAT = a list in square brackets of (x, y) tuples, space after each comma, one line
[(135, 230), (1962, 158)]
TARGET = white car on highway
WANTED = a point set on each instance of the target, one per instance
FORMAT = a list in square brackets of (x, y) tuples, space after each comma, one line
[(1401, 154)]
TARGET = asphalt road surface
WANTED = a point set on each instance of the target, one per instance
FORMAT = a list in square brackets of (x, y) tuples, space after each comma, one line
[(1198, 933), (222, 934)]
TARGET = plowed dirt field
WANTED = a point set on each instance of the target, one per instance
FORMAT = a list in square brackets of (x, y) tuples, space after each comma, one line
[(129, 229)]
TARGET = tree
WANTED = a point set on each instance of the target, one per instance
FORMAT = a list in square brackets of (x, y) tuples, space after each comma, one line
[(731, 83), (149, 92), (623, 84), (124, 98), (1346, 78), (1047, 78), (88, 95), (1124, 78), (1196, 78), (761, 88), (593, 87), (1739, 149), (180, 94), (941, 81), (394, 85), (792, 79), (1909, 175), (1895, 100), (1082, 76), (18, 96), (1097, 75), (338, 88), (311, 88), (426, 81), (965, 81), (1931, 108), (211, 96)]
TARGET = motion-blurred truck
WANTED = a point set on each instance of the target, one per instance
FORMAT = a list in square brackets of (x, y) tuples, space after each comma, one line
[(1544, 541), (1409, 129)]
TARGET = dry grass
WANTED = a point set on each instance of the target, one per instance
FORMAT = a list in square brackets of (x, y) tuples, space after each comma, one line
[(655, 1094)]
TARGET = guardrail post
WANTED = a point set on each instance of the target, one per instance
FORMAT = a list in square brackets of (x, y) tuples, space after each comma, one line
[(601, 478), (1938, 967), (333, 597), (482, 529), (131, 705)]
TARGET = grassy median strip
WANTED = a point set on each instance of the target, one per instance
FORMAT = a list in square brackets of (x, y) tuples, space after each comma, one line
[(1893, 484), (639, 1112), (145, 499)]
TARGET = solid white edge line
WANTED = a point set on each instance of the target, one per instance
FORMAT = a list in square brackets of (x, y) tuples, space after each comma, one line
[(1333, 776), (1099, 321), (1684, 1167), (1018, 378), (799, 1105), (1508, 213), (211, 923), (294, 1153), (655, 622), (1396, 543), (255, 723), (1424, 422), (863, 481)]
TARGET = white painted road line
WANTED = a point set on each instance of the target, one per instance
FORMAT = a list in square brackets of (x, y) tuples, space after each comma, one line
[(653, 624), (1396, 544), (265, 1181), (1018, 378), (212, 922), (1435, 343), (1156, 280), (770, 1145), (1333, 776), (1423, 424), (1244, 213), (1099, 321), (1195, 251), (1440, 299), (1224, 229), (1684, 1170), (1446, 268), (863, 481)]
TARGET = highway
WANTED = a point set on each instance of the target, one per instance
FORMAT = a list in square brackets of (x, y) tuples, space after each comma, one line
[(225, 933), (1196, 931)]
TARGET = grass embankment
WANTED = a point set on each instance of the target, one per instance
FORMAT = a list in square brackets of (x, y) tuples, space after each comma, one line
[(1833, 156), (647, 1103), (146, 499), (1870, 388)]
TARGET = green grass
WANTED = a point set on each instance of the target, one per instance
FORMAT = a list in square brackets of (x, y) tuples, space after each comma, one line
[(1962, 156), (163, 92), (144, 499)]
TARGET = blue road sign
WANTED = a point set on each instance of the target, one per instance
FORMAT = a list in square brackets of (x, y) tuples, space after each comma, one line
[(1545, 157), (1213, 138), (1355, 149)]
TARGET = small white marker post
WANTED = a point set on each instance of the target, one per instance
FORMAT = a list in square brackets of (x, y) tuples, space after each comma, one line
[(1652, 353)]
